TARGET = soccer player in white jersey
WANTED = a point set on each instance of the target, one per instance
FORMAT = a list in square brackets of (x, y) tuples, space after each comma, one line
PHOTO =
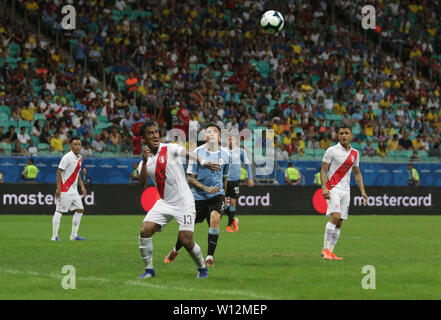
[(66, 195), (162, 163), (337, 165)]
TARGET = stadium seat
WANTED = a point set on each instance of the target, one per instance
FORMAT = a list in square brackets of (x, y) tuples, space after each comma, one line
[(6, 109), (43, 147), (3, 117)]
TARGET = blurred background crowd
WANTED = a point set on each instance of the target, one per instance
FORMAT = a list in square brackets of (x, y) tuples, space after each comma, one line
[(188, 63)]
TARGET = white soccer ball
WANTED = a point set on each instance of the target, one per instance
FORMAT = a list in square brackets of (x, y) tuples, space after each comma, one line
[(272, 21)]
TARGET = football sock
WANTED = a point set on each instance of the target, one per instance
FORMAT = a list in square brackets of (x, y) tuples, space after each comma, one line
[(56, 220), (329, 234), (213, 235), (231, 215), (178, 245), (335, 238), (146, 249), (76, 223), (196, 255)]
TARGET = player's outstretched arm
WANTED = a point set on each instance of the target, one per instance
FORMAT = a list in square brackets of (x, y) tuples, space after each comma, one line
[(194, 157), (359, 181), (195, 182), (324, 179)]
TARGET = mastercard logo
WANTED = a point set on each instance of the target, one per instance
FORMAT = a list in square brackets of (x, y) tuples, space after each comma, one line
[(319, 202), (149, 198)]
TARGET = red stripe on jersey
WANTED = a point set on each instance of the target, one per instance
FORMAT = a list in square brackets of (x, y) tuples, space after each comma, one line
[(341, 172), (161, 164), (65, 186)]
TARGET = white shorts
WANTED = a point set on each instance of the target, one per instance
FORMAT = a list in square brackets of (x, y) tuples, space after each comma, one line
[(340, 200), (162, 213), (67, 203)]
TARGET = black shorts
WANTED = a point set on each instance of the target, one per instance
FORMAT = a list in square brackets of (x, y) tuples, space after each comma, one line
[(205, 207), (233, 189)]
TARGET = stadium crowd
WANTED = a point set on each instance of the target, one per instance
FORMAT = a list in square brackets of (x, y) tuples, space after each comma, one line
[(189, 63)]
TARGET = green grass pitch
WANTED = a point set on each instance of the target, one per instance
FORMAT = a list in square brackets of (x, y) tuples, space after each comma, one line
[(271, 257)]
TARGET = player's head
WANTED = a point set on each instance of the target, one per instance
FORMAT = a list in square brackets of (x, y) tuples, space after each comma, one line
[(75, 145), (212, 132), (410, 166), (344, 133), (232, 141), (151, 134), (31, 161)]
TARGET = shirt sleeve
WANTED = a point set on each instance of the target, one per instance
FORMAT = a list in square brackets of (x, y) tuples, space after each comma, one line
[(63, 163), (193, 166), (139, 167), (357, 160), (327, 157), (175, 149)]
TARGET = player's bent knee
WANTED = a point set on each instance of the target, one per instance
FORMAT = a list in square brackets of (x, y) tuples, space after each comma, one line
[(186, 238), (148, 229)]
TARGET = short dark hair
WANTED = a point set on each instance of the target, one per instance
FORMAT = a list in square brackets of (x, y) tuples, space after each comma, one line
[(31, 160), (145, 125), (73, 139), (344, 126), (212, 124)]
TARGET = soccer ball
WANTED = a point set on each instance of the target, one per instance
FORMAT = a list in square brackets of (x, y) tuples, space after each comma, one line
[(272, 22)]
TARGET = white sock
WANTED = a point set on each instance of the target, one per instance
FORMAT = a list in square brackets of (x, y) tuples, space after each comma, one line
[(56, 220), (146, 249), (335, 238), (329, 234), (196, 255), (76, 223)]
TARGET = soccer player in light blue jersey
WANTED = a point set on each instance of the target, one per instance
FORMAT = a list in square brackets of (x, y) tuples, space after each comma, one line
[(208, 188), (238, 156)]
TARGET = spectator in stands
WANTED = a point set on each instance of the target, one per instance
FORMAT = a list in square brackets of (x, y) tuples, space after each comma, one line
[(393, 143), (2, 177), (11, 135), (325, 142), (32, 149), (86, 150), (27, 113), (36, 129), (115, 137), (23, 137), (98, 145), (45, 135), (405, 143), (368, 149), (56, 143), (126, 122), (84, 129), (381, 150), (418, 144)]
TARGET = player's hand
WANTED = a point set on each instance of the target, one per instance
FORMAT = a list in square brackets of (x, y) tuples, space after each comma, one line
[(212, 166), (84, 191), (57, 193), (145, 154), (212, 190), (326, 194), (365, 197), (250, 183)]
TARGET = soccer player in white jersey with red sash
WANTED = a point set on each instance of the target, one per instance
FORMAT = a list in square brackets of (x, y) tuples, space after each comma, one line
[(337, 165), (66, 195), (163, 164)]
